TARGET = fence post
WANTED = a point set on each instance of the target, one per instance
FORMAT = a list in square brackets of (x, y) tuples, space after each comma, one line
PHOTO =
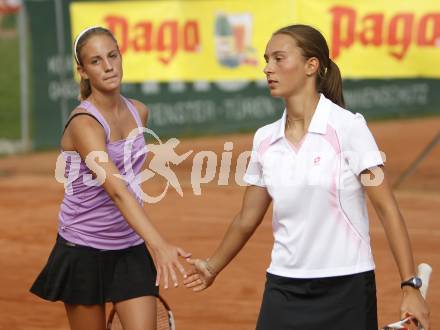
[(24, 79)]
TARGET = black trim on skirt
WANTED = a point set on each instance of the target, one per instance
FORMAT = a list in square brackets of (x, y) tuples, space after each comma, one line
[(77, 274), (341, 302)]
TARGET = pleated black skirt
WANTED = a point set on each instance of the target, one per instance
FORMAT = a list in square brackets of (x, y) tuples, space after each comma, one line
[(342, 302), (77, 274)]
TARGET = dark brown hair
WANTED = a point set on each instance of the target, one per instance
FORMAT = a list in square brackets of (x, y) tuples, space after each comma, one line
[(84, 85), (313, 44)]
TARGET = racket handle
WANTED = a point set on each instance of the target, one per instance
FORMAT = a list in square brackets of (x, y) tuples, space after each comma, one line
[(424, 272)]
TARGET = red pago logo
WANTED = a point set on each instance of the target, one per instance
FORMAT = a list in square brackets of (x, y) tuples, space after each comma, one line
[(167, 38), (398, 32), (233, 35)]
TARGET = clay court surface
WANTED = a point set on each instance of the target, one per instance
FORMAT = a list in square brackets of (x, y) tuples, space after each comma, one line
[(30, 197)]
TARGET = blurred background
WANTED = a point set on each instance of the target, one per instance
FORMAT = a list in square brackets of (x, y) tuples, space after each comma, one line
[(198, 64)]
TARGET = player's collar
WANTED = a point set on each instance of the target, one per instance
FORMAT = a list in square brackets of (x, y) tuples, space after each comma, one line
[(320, 117), (318, 123)]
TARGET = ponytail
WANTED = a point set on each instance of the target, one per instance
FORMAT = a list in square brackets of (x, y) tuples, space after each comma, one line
[(313, 44), (330, 84), (84, 89)]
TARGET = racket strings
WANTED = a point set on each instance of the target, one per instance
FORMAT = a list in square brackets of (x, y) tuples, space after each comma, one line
[(163, 318)]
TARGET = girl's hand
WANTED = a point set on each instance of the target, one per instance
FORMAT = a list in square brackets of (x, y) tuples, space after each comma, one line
[(166, 258), (414, 305), (201, 276)]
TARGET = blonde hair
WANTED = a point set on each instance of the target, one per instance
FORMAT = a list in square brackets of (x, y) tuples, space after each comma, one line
[(85, 89)]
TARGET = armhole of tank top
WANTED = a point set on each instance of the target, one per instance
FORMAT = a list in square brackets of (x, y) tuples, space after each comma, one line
[(79, 114)]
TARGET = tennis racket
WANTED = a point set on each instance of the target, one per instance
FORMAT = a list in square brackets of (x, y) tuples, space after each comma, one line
[(165, 318), (424, 272)]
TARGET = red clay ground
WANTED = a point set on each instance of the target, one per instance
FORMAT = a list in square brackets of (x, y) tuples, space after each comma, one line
[(30, 197)]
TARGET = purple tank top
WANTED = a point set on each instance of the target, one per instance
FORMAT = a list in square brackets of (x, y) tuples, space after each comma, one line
[(88, 216)]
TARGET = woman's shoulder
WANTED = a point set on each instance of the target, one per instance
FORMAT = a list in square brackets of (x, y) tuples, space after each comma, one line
[(267, 131), (78, 110), (81, 118), (142, 109), (343, 119), (82, 125)]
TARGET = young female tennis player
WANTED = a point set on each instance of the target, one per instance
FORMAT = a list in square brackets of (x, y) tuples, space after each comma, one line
[(100, 253), (315, 164)]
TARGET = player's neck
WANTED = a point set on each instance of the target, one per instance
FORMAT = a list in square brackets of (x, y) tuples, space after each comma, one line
[(300, 108), (110, 103)]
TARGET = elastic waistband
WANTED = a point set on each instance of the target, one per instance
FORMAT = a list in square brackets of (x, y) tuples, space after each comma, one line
[(62, 241), (282, 279)]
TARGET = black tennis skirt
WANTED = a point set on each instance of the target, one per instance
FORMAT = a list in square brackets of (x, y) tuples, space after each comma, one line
[(331, 303), (77, 274)]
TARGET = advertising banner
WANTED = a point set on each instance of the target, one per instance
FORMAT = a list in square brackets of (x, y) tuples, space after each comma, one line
[(187, 40), (378, 39)]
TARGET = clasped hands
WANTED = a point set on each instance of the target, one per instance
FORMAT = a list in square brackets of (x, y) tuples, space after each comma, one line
[(201, 275)]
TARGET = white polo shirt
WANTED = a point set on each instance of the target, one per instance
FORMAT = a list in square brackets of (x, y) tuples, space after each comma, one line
[(320, 219)]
